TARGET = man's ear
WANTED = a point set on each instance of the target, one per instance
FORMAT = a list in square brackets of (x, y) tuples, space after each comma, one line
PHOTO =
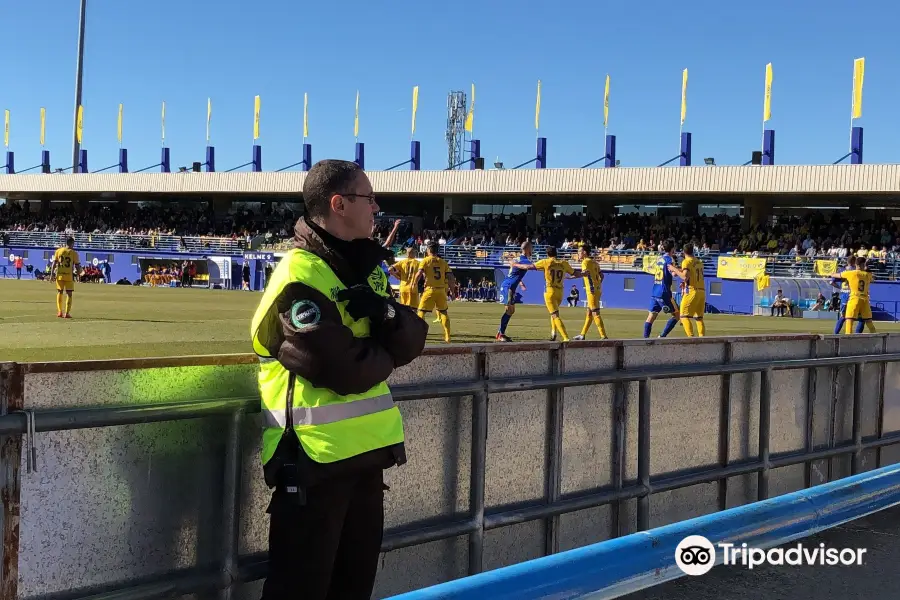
[(337, 204)]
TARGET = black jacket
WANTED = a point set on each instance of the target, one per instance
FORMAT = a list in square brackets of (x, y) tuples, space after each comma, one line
[(326, 353)]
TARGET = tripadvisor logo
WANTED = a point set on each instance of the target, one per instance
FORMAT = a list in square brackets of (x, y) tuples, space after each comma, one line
[(696, 555)]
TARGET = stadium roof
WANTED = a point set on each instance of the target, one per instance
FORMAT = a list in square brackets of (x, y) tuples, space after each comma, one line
[(787, 179)]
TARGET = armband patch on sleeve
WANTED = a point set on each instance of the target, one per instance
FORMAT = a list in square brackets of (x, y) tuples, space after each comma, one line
[(305, 313)]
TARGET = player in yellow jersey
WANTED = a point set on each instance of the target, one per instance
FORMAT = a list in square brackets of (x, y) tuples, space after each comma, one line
[(555, 272), (438, 279), (693, 302), (406, 270), (859, 308), (593, 288), (65, 262)]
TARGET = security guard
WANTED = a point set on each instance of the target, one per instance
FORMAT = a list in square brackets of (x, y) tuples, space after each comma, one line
[(328, 335)]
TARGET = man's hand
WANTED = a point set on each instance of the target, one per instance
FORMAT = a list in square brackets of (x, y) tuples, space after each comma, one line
[(362, 302)]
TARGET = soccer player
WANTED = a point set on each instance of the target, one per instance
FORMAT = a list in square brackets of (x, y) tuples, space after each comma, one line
[(555, 271), (65, 262), (661, 296), (859, 309), (693, 302), (845, 294), (406, 270), (438, 278), (593, 280), (508, 294)]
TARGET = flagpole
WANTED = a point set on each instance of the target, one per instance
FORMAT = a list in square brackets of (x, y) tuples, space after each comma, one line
[(852, 102)]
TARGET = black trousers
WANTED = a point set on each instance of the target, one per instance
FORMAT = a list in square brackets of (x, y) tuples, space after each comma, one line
[(327, 549)]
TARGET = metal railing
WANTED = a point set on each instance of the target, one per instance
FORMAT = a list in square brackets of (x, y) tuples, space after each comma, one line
[(639, 561), (458, 256), (126, 242), (632, 260), (234, 569)]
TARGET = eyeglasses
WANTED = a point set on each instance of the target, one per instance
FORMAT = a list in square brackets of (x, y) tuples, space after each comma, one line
[(369, 197)]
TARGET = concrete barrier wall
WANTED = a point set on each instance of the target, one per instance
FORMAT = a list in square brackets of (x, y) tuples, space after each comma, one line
[(130, 502)]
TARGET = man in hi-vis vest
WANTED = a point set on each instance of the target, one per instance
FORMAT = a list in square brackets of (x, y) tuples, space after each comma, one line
[(328, 335)]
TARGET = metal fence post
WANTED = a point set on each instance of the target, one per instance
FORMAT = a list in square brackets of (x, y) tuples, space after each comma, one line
[(643, 508), (880, 418), (765, 416), (553, 484), (618, 443), (725, 427), (231, 506), (835, 372), (812, 378), (856, 463), (477, 470), (12, 399)]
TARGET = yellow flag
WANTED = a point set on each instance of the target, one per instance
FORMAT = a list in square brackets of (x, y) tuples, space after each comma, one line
[(537, 108), (79, 123), (470, 116), (767, 104), (43, 124), (163, 121), (119, 125), (606, 104), (305, 116), (683, 96), (859, 71), (6, 129), (415, 107), (356, 120), (256, 106), (208, 117)]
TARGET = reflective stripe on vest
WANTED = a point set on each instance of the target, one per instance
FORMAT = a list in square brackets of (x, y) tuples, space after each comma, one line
[(330, 413)]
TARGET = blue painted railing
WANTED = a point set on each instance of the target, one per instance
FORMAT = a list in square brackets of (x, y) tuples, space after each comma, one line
[(624, 565)]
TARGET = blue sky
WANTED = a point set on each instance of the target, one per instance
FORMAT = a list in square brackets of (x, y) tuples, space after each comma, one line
[(141, 53)]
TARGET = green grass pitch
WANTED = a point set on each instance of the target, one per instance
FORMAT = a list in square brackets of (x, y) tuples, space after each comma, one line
[(126, 322)]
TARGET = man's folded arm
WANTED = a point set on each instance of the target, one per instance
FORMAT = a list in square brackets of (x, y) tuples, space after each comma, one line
[(304, 331), (404, 335)]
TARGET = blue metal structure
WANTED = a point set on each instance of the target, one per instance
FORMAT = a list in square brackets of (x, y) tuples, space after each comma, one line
[(641, 560)]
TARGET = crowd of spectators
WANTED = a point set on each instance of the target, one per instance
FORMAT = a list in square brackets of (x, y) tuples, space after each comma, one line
[(818, 234), (147, 219)]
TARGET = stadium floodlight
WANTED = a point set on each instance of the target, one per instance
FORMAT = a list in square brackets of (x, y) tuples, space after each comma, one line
[(709, 162), (498, 164), (79, 73)]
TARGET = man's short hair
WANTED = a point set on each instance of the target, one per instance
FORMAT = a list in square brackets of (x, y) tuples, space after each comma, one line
[(668, 246), (432, 248), (688, 249), (551, 252), (70, 242), (325, 179)]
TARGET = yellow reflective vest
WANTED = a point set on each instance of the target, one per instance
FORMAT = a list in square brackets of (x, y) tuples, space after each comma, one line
[(330, 426)]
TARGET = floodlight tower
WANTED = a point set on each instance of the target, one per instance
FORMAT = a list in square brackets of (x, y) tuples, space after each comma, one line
[(456, 129), (79, 73)]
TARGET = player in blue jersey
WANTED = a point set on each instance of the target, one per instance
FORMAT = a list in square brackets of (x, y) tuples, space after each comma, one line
[(845, 295), (661, 296), (508, 293)]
